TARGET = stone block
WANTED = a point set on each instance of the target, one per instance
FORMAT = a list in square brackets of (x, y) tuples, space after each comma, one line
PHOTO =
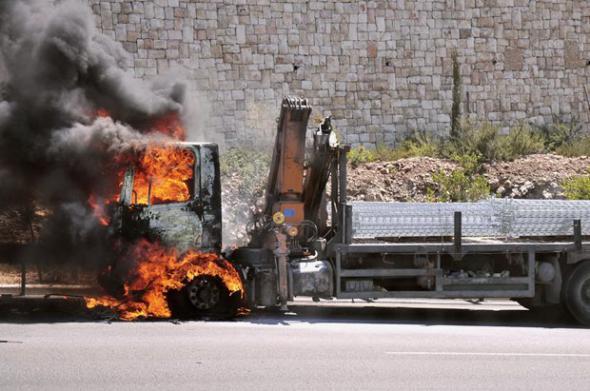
[(372, 49), (121, 32), (241, 34), (513, 59), (187, 34), (465, 33), (175, 34), (237, 94), (572, 55), (156, 53), (283, 68)]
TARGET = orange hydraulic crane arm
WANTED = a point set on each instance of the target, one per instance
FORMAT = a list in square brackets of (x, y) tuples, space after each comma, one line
[(284, 190)]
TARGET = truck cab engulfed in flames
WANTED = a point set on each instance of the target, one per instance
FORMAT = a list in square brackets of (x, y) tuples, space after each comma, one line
[(172, 196)]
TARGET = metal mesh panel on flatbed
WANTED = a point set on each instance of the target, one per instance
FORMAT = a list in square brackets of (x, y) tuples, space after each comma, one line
[(488, 218)]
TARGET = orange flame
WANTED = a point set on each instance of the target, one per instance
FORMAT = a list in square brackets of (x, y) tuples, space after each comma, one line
[(160, 270), (164, 173)]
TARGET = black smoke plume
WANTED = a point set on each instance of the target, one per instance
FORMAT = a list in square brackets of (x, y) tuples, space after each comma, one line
[(56, 72)]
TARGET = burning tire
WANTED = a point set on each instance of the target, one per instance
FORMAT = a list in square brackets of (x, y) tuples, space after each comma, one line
[(203, 297)]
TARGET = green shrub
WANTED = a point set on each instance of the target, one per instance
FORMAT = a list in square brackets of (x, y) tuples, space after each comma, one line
[(458, 186), (359, 155), (470, 163), (381, 153), (522, 140), (577, 188), (422, 144), (384, 153), (560, 133), (462, 184), (485, 141), (481, 140), (565, 138), (577, 147)]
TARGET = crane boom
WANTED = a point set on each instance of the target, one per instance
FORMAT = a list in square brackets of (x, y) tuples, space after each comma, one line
[(284, 190)]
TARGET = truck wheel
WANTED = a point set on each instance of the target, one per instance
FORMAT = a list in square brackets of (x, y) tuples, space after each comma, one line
[(205, 293), (577, 293), (202, 297)]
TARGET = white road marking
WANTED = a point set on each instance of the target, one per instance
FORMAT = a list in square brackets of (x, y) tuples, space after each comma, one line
[(497, 354)]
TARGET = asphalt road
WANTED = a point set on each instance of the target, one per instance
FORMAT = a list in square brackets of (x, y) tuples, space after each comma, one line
[(395, 345)]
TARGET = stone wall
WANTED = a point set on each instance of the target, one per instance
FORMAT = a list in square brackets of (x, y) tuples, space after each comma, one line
[(381, 68)]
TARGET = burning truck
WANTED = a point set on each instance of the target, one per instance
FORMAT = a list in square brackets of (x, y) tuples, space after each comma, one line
[(91, 176), (165, 224), (106, 160)]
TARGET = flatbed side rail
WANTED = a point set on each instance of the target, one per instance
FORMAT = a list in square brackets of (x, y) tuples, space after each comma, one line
[(444, 287)]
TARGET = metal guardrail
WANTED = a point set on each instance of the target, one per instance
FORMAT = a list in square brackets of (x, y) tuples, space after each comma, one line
[(489, 218)]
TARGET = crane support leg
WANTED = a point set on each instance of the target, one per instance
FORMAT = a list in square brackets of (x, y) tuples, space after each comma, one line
[(281, 254)]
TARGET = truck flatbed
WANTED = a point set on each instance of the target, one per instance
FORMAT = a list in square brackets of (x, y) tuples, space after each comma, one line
[(467, 245)]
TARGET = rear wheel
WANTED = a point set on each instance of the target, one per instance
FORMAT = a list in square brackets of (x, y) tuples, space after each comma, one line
[(577, 293)]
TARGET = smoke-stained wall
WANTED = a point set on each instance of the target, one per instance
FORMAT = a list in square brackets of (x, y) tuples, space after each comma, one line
[(382, 68)]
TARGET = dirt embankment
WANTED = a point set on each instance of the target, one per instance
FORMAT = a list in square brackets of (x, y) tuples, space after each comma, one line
[(402, 180), (534, 176)]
